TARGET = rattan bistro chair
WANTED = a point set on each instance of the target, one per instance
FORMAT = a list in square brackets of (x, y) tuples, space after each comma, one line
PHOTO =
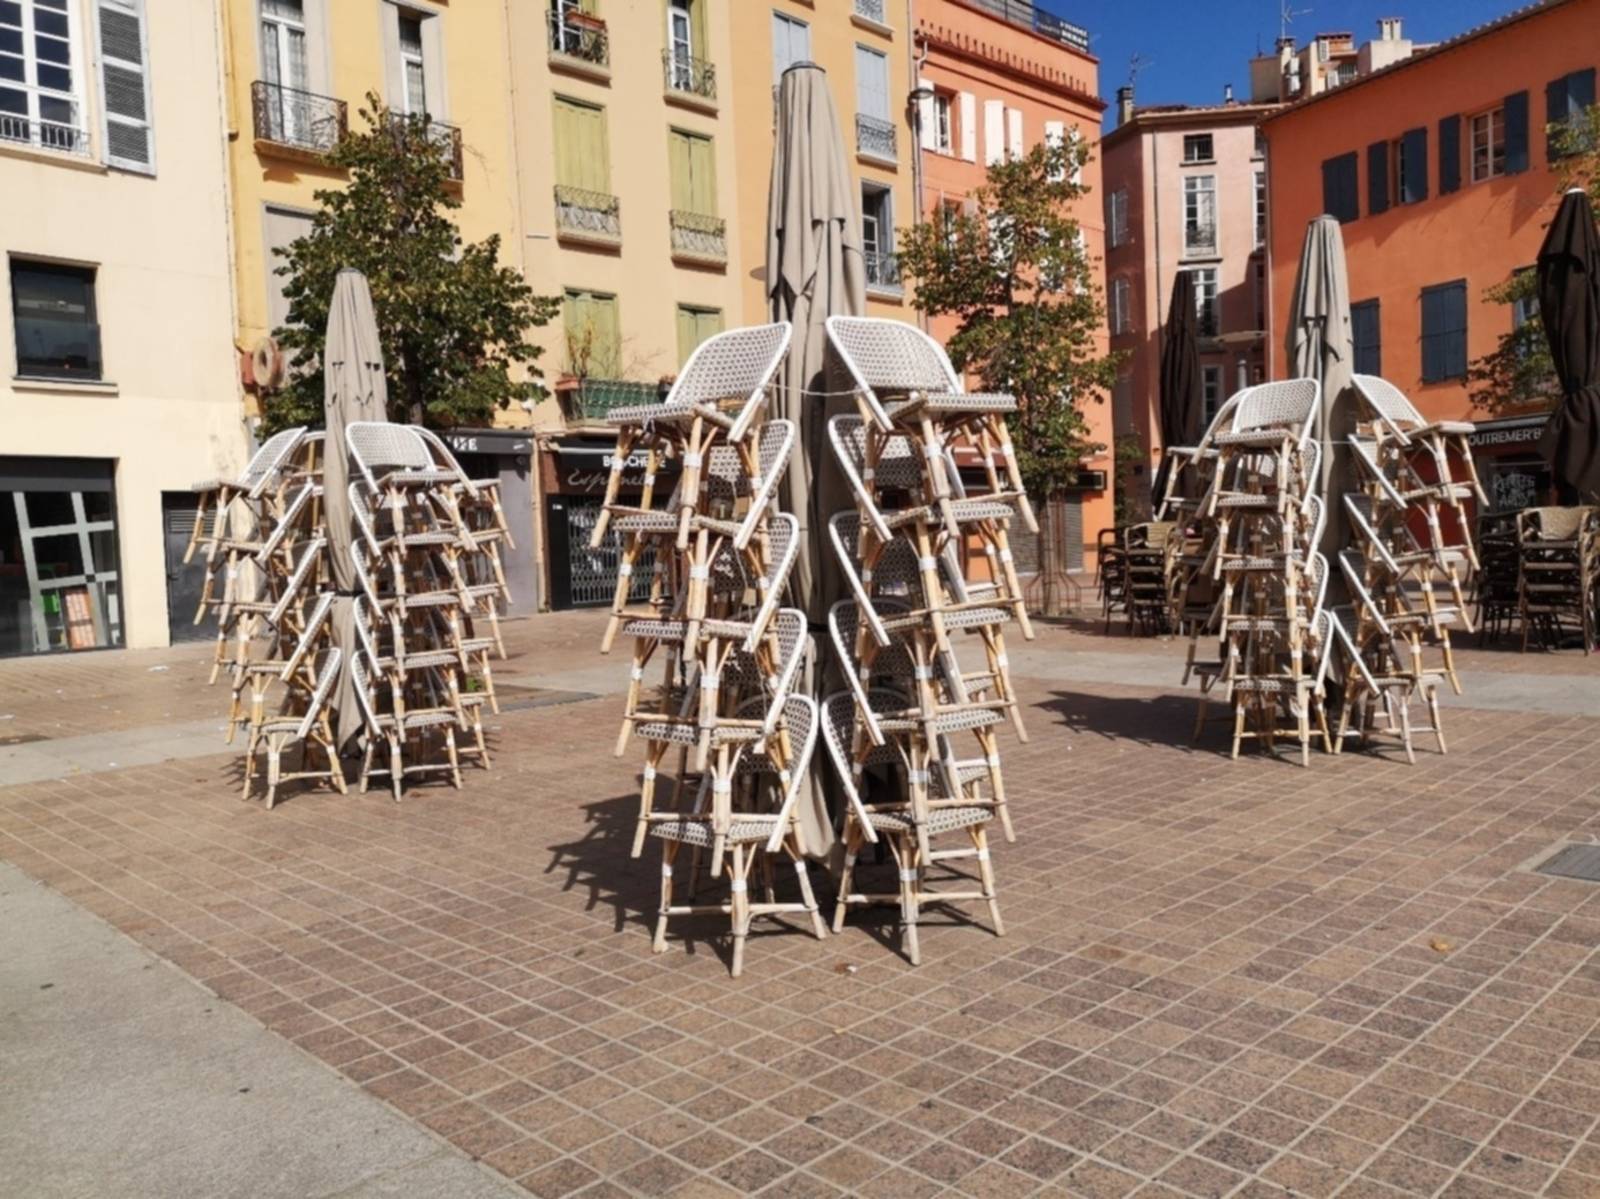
[(402, 730), (265, 469), (308, 729)]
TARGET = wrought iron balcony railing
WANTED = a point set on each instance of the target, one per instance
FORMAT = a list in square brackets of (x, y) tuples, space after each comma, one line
[(43, 135), (875, 138), (1200, 237), (1206, 324), (1029, 16), (689, 75), (287, 116), (696, 235), (872, 10), (594, 398), (579, 36), (445, 138), (883, 271), (586, 214)]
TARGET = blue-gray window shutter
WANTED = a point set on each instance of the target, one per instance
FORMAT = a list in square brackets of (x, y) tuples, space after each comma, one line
[(1377, 178), (1516, 106), (1449, 155), (1367, 335), (1414, 146), (1340, 198)]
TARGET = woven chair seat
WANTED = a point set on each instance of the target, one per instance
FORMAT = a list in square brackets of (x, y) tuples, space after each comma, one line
[(403, 477), (659, 630), (943, 722), (279, 724), (1259, 562), (641, 414), (940, 820), (1450, 428), (428, 599), (958, 401), (436, 538), (692, 831), (1272, 684), (416, 720), (684, 733), (971, 618), (428, 660), (646, 522), (1266, 624), (1247, 501), (964, 511), (1254, 438)]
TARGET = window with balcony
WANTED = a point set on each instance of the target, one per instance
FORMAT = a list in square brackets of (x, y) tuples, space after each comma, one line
[(1200, 214), (578, 36), (1121, 307), (1117, 218), (872, 10), (586, 209), (1198, 147), (285, 112), (40, 85), (686, 58), (54, 318), (877, 240), (1488, 144), (698, 233), (414, 76), (1207, 319), (593, 333), (791, 43), (1210, 391), (943, 123), (875, 131), (1261, 209)]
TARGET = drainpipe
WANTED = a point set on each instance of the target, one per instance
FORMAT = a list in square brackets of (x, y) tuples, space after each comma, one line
[(916, 64)]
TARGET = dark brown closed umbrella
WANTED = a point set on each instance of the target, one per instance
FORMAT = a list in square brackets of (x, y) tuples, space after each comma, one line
[(1569, 307), (1181, 413)]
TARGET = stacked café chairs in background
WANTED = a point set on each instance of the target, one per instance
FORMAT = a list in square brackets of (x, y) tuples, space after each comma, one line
[(1249, 580), (712, 693), (1406, 591), (1558, 574), (426, 557), (921, 645)]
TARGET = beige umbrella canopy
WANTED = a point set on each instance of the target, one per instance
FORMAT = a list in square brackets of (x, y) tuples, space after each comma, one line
[(1320, 347), (815, 270), (354, 389)]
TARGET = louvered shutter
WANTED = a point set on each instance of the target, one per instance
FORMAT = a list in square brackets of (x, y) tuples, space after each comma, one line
[(1555, 114), (680, 171), (967, 119), (1516, 108), (1450, 155), (1414, 146), (1014, 132), (926, 116), (1055, 136), (1340, 199), (1377, 178), (994, 131), (126, 119)]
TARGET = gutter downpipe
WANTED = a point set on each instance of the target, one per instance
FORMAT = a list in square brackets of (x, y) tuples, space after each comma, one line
[(915, 64)]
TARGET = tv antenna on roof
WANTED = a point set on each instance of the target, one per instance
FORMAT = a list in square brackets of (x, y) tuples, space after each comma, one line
[(1136, 63), (1286, 16)]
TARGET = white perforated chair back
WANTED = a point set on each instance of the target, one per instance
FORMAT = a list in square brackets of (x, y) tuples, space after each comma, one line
[(736, 365)]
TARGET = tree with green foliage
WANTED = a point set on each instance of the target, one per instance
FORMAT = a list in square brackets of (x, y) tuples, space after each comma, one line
[(452, 319), (1013, 268), (1518, 375)]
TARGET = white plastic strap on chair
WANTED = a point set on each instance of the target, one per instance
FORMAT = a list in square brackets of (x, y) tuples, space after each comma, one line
[(849, 860), (983, 856), (709, 680), (908, 876), (800, 869), (666, 871), (625, 569), (693, 460), (738, 886), (617, 464), (1002, 661), (700, 573), (923, 672), (636, 672), (755, 482), (933, 453), (650, 478), (918, 777), (1005, 555), (993, 760), (868, 474), (649, 773), (723, 786), (927, 564)]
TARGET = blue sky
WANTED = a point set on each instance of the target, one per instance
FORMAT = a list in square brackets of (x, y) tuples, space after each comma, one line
[(1191, 48)]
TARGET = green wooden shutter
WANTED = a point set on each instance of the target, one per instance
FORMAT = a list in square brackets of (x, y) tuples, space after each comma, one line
[(703, 171), (592, 317), (583, 153), (698, 29), (694, 326), (680, 162)]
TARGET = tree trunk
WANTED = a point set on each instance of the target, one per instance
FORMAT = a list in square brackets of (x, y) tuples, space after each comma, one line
[(1052, 562)]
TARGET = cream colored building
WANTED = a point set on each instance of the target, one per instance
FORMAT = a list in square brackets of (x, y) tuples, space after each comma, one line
[(117, 381)]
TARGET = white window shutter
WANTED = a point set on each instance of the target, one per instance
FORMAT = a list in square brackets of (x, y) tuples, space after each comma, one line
[(925, 117), (967, 118), (1075, 140), (1014, 132), (994, 131), (1055, 133), (127, 129)]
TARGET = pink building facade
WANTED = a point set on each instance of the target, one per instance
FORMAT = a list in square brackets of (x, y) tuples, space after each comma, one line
[(1185, 190)]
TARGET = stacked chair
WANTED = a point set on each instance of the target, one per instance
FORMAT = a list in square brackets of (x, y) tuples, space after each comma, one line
[(1406, 591), (915, 736), (1246, 574), (427, 560), (716, 655), (1497, 590), (1558, 577)]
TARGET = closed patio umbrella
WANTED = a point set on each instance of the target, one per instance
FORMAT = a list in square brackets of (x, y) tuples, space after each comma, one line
[(814, 270), (1569, 307), (354, 389), (1320, 347), (1181, 411)]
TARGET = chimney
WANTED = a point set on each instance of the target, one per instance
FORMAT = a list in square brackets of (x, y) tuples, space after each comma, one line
[(1389, 29), (1227, 93), (1124, 104)]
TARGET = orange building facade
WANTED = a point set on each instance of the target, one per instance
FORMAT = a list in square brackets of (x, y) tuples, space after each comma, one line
[(1440, 171), (1001, 84)]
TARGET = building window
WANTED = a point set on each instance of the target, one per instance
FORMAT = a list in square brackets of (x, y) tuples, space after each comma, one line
[(59, 585), (39, 85), (791, 43), (692, 162), (593, 334), (1197, 147), (877, 239), (1340, 199), (1121, 306), (53, 313), (943, 123), (1366, 332), (1488, 144), (1200, 214), (1205, 300), (280, 227), (1566, 101), (1444, 332), (1411, 167), (1261, 208), (585, 208), (694, 326), (1118, 218), (1210, 391), (413, 74)]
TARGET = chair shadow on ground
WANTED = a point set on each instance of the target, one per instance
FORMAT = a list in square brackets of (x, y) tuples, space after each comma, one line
[(598, 862), (1157, 720)]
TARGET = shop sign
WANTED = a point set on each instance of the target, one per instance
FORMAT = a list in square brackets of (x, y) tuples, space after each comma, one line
[(584, 470), (1511, 432)]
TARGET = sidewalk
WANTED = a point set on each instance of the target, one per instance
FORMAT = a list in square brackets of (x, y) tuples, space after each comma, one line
[(1219, 978)]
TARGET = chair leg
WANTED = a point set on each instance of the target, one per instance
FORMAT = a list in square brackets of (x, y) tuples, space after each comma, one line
[(739, 893), (804, 878), (852, 847), (980, 841), (669, 853)]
